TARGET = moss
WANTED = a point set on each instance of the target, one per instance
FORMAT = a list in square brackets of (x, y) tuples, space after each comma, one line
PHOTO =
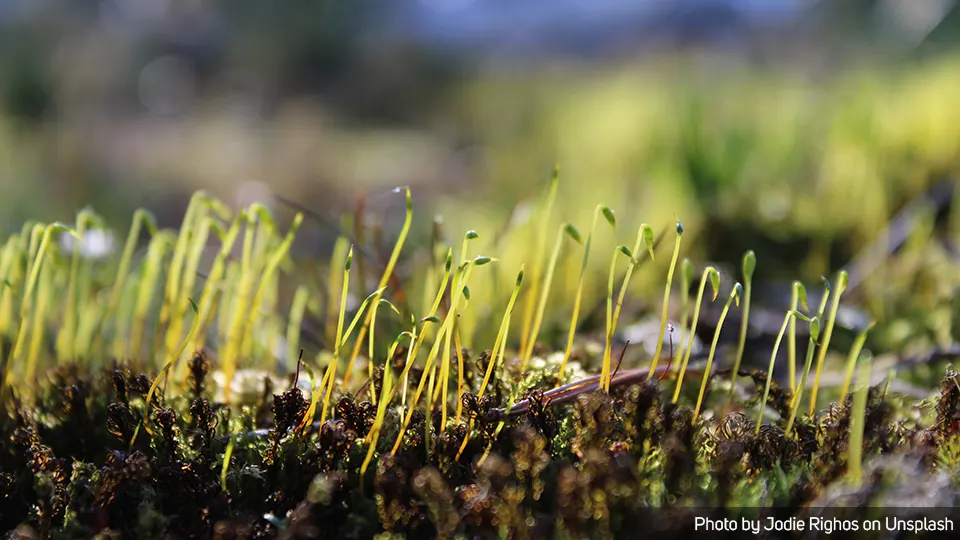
[(158, 447)]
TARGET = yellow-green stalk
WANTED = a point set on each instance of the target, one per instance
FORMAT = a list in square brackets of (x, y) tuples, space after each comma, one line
[(608, 335), (852, 359), (340, 248), (12, 272), (331, 373), (496, 358), (343, 337), (230, 356), (385, 278), (575, 316), (33, 246), (431, 275), (501, 340), (748, 266), (431, 318), (791, 315), (371, 350), (297, 309), (445, 363), (827, 333), (460, 376), (798, 298), (268, 273), (225, 304), (644, 235), (527, 333), (90, 318), (464, 294), (686, 280), (798, 390), (227, 454), (163, 372), (27, 305), (527, 350), (811, 346), (733, 298), (200, 203), (194, 250), (710, 274), (344, 291), (440, 391), (428, 366), (42, 302), (266, 236), (666, 301), (66, 336), (212, 287), (858, 421), (149, 275), (141, 218), (384, 401)]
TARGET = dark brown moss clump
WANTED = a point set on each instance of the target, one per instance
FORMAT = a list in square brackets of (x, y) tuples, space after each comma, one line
[(600, 466)]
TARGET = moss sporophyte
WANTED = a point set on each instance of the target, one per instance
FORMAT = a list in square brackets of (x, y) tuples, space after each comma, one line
[(255, 394)]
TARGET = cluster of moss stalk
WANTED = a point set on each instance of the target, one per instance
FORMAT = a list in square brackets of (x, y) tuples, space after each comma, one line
[(112, 423)]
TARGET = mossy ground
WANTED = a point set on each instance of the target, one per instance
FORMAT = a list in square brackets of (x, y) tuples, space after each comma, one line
[(600, 466), (207, 437)]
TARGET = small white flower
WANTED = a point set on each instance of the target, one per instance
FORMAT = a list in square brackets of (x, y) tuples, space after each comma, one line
[(96, 243)]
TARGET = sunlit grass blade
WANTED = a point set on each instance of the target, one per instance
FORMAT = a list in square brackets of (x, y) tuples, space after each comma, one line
[(215, 280), (267, 275), (230, 355), (858, 422), (434, 392), (852, 359), (164, 371), (607, 213), (798, 299), (666, 302), (566, 230), (385, 278), (527, 333), (686, 280), (27, 305), (201, 203), (141, 218), (344, 291), (332, 307), (149, 276), (335, 363), (827, 333), (39, 308), (644, 236), (801, 384), (460, 294), (791, 315), (748, 266), (297, 309), (65, 344), (384, 401), (733, 298), (711, 275), (501, 335), (194, 250), (371, 341)]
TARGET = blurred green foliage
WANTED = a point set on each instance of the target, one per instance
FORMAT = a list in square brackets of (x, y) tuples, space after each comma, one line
[(803, 164)]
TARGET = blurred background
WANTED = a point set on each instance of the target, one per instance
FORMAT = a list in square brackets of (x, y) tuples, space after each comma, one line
[(793, 127)]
